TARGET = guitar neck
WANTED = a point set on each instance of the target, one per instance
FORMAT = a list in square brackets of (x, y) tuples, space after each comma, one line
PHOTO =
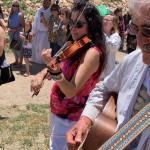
[(129, 131)]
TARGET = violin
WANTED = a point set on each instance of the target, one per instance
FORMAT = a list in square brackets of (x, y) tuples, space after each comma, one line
[(69, 51), (66, 53)]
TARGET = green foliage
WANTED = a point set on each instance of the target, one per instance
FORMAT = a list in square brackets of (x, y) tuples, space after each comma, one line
[(23, 5), (5, 2), (37, 108), (37, 1), (26, 143), (7, 49), (21, 117)]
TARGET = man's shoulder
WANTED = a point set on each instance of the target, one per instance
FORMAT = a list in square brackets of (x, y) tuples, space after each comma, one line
[(135, 56), (135, 53), (40, 9)]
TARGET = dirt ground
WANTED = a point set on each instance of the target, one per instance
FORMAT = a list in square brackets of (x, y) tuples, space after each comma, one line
[(18, 92)]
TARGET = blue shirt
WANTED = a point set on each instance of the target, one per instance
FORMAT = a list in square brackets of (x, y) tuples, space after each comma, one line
[(14, 23)]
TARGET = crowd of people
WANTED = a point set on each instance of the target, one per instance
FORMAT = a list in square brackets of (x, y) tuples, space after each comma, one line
[(49, 30), (85, 78)]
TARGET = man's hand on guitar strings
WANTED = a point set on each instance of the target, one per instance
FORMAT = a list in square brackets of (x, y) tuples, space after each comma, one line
[(77, 134)]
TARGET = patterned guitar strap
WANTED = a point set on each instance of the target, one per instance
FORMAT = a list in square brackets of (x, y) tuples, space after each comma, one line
[(129, 131)]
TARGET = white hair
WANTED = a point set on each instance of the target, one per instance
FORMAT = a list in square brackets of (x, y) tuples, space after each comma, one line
[(139, 8)]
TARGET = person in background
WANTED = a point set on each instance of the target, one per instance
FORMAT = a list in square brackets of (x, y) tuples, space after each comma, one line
[(127, 18), (131, 80), (16, 24), (2, 45), (3, 24), (131, 39), (57, 2), (27, 46), (54, 30), (64, 15), (110, 25), (79, 73), (40, 32), (121, 26)]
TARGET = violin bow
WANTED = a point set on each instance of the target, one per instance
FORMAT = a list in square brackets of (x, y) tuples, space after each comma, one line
[(64, 46)]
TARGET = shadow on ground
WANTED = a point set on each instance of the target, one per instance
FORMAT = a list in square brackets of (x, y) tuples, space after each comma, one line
[(3, 118), (34, 68)]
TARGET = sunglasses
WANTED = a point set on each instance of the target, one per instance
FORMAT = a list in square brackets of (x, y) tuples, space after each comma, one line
[(144, 30), (76, 24), (15, 5)]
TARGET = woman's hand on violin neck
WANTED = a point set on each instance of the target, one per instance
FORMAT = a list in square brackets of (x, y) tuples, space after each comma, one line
[(53, 64), (46, 56)]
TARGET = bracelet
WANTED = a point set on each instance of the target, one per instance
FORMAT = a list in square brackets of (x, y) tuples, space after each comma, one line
[(54, 73), (58, 80)]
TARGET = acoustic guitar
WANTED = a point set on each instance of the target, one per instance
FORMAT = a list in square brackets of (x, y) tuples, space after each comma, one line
[(102, 135), (125, 135), (104, 126)]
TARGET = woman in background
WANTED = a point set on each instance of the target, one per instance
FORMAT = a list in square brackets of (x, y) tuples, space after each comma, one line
[(121, 25), (16, 24), (110, 25), (131, 39), (54, 29), (65, 15)]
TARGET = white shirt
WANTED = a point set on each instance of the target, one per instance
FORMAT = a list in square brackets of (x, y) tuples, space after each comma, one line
[(37, 25), (126, 80), (112, 45)]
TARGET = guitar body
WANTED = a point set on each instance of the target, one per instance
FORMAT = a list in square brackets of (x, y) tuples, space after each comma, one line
[(104, 126)]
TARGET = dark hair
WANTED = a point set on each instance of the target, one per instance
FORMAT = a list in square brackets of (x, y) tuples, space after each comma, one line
[(95, 25), (57, 2), (118, 9), (55, 6), (1, 12)]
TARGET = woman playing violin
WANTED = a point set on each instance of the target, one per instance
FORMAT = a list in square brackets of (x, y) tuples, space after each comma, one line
[(76, 76)]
